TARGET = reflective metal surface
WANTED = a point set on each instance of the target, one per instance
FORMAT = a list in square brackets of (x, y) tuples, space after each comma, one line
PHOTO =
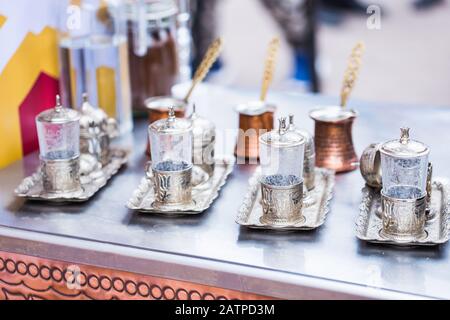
[(331, 256)]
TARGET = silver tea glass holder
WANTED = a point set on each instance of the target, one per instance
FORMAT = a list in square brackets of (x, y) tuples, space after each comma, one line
[(313, 214), (92, 177), (369, 224), (204, 189), (399, 173)]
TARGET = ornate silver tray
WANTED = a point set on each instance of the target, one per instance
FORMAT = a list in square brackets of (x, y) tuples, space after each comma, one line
[(93, 178), (314, 211), (204, 192), (368, 223)]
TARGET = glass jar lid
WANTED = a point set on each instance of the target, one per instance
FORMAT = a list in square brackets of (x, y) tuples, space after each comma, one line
[(404, 147), (58, 114), (153, 9), (282, 138), (332, 114), (171, 125)]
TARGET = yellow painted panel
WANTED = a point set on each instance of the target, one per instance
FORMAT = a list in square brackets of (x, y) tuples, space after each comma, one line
[(36, 54), (106, 90), (2, 20)]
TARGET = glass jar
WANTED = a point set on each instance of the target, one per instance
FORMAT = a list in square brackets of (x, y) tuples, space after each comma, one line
[(171, 152), (152, 49), (171, 143), (158, 108), (94, 58), (281, 155), (58, 133), (404, 164)]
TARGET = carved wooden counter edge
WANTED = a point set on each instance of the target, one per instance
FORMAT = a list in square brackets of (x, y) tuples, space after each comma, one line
[(31, 278)]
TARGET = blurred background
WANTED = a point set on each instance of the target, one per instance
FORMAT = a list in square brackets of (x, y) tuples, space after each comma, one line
[(122, 52), (406, 61)]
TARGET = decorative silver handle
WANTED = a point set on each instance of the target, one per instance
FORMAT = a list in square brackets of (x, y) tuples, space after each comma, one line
[(370, 165)]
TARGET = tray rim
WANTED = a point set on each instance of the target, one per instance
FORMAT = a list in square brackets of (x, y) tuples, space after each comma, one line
[(441, 184), (227, 161), (83, 197), (246, 208)]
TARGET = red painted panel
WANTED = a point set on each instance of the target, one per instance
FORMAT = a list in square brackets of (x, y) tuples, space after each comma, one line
[(41, 97)]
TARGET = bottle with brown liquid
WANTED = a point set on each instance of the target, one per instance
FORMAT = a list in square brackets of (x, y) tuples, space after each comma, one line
[(152, 49)]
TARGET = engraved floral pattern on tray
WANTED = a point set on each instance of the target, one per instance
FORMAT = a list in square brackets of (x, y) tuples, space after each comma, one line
[(369, 224), (315, 213), (32, 188), (203, 194)]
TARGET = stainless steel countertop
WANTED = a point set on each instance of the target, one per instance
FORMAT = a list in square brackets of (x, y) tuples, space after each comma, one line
[(211, 248)]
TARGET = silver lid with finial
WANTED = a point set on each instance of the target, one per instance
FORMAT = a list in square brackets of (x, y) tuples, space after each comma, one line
[(58, 114), (172, 124), (282, 138), (404, 147)]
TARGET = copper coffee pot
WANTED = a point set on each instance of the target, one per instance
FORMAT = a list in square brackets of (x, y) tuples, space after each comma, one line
[(333, 138), (256, 117), (333, 124), (158, 107)]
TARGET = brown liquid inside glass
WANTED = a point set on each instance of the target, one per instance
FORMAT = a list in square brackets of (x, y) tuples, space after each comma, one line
[(154, 73)]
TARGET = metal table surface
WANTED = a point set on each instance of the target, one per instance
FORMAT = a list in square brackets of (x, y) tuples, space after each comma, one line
[(211, 248)]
